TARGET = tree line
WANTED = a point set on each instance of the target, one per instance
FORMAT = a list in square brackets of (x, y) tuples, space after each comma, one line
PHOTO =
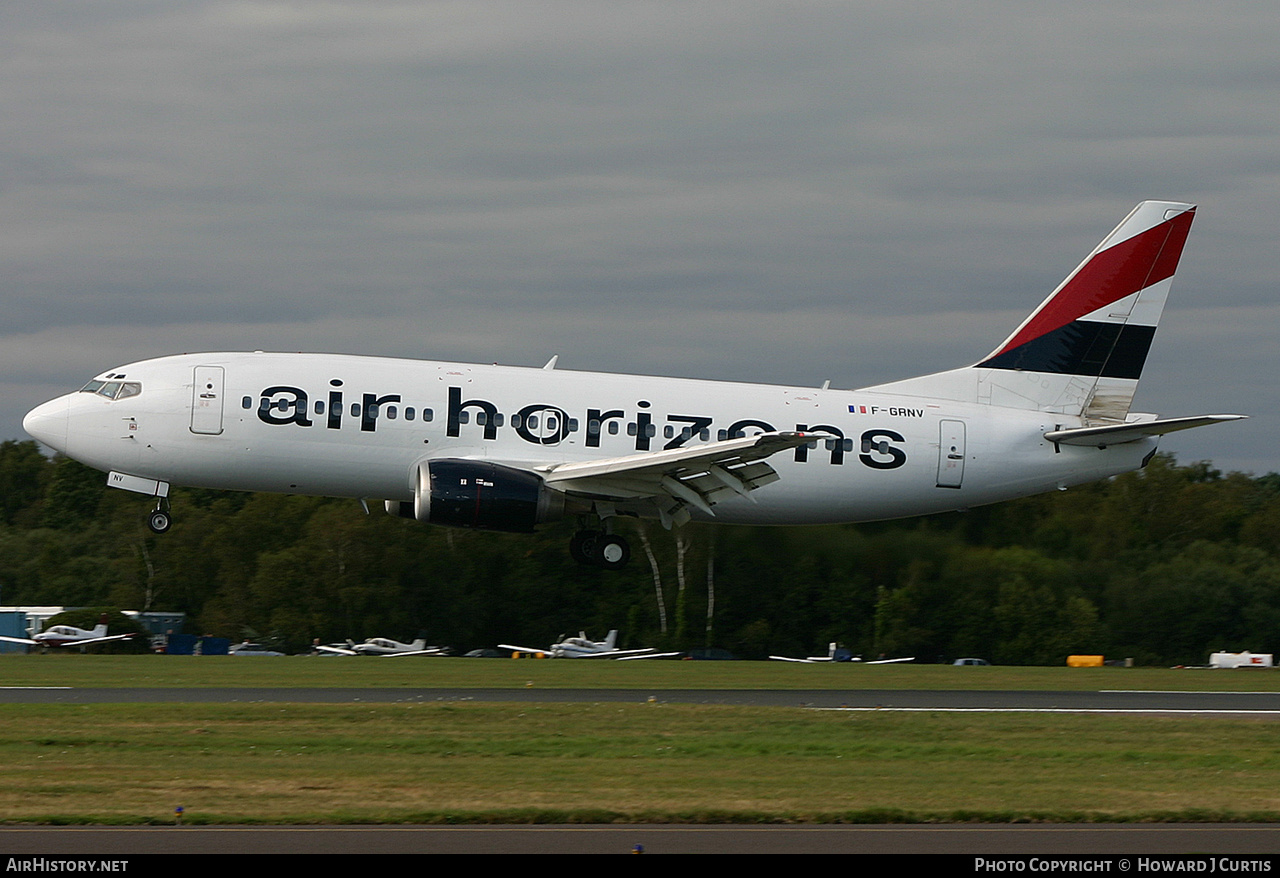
[(1162, 566)]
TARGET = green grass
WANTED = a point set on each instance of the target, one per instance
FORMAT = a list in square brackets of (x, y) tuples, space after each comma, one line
[(73, 669), (470, 762), (282, 763)]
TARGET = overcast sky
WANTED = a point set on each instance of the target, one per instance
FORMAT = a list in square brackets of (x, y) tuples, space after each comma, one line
[(768, 191)]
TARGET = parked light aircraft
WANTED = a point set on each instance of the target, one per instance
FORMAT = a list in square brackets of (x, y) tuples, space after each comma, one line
[(385, 646), (70, 635), (840, 654), (505, 448), (835, 653), (583, 647)]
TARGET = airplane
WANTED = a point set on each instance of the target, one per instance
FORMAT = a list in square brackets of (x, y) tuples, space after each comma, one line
[(385, 646), (837, 653), (70, 635), (583, 647), (506, 448)]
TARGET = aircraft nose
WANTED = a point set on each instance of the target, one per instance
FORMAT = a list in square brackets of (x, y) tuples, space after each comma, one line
[(47, 423)]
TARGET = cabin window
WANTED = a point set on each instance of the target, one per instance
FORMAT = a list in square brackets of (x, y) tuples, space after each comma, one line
[(247, 402), (409, 413)]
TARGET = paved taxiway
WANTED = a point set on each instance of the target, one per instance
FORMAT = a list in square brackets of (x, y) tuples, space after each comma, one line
[(1128, 701)]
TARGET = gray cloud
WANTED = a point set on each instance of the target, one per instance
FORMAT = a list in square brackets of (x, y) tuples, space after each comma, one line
[(764, 191)]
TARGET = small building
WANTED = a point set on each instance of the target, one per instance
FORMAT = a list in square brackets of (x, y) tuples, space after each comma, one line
[(30, 621), (23, 622)]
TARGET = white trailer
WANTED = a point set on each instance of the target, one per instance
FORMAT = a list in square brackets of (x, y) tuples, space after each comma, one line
[(1244, 659)]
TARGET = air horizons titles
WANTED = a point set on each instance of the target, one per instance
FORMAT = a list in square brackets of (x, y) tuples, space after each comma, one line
[(544, 424)]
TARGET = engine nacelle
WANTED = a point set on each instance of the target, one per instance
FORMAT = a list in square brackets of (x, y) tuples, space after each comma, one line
[(480, 495)]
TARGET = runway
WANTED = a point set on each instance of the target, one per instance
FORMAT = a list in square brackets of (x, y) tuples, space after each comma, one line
[(1261, 704), (969, 840)]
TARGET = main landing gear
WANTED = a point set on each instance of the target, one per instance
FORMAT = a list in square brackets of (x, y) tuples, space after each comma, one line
[(596, 548), (160, 520)]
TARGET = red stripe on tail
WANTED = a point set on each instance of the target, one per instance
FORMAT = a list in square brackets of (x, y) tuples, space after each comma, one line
[(1122, 270)]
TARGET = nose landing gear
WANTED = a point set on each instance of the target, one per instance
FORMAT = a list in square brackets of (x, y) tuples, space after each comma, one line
[(160, 520)]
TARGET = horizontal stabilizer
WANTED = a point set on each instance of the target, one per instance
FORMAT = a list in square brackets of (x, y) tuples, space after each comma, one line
[(1118, 434)]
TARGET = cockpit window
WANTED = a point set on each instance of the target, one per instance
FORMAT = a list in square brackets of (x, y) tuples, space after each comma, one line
[(113, 389)]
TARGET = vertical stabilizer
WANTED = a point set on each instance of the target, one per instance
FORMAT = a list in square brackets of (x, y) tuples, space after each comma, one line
[(1082, 351)]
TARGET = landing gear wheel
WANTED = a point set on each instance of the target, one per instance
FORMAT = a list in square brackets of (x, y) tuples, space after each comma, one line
[(612, 552), (582, 546), (159, 521)]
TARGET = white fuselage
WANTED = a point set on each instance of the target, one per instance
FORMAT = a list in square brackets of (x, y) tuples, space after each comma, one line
[(349, 426)]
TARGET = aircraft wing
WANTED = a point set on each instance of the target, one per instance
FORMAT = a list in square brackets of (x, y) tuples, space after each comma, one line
[(697, 476), (336, 650), (27, 640), (93, 640), (1118, 434), (647, 655), (435, 650), (528, 649), (647, 652)]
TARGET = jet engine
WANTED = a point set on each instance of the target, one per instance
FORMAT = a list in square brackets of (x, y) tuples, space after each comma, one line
[(480, 495)]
